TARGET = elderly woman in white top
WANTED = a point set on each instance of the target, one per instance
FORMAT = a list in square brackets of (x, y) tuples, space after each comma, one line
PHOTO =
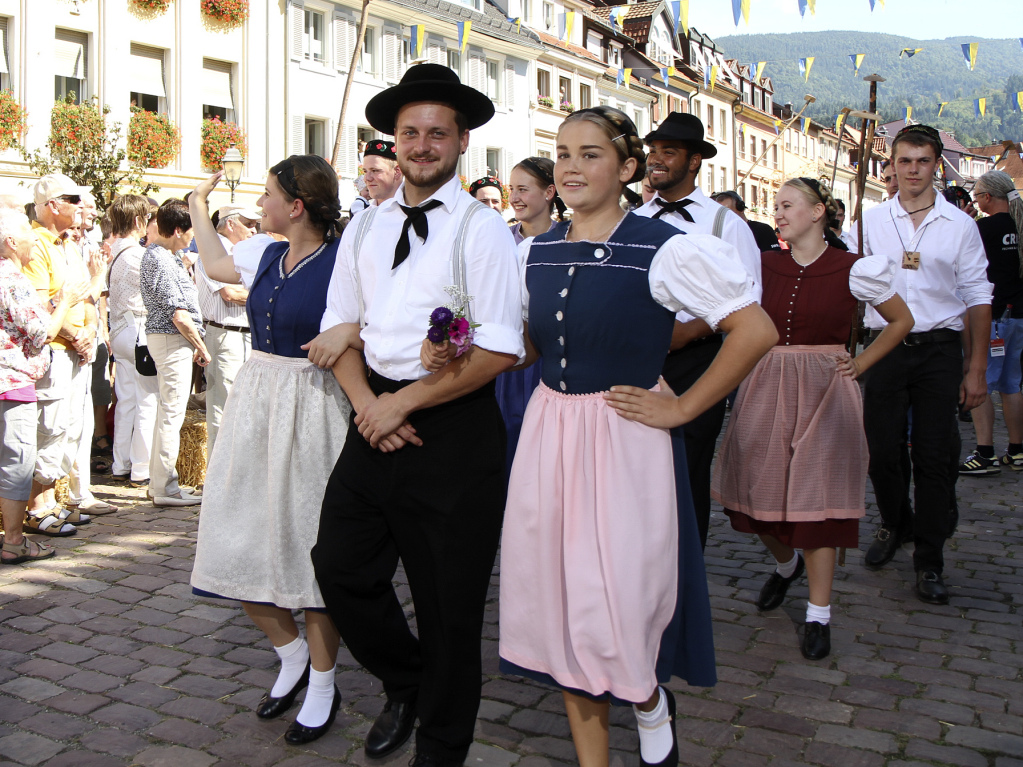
[(135, 414), (25, 329)]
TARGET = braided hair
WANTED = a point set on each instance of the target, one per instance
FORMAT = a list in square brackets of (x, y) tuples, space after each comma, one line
[(817, 193), (311, 179), (620, 131), (1000, 185), (542, 169)]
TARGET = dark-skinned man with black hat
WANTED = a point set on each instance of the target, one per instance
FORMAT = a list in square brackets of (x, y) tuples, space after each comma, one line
[(676, 153), (421, 476)]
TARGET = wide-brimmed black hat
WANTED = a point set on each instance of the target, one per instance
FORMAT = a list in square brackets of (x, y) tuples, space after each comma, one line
[(428, 82), (380, 148), (679, 126)]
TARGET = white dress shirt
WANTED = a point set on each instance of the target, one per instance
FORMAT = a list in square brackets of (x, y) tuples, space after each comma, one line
[(953, 266), (735, 232), (212, 306), (399, 301)]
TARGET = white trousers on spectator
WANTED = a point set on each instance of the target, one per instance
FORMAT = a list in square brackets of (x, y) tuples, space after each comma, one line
[(80, 474), (59, 419), (135, 414), (172, 354), (229, 350)]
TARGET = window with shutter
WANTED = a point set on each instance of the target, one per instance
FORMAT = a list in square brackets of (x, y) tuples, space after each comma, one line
[(392, 55), (477, 72), (4, 67), (296, 18), (509, 86), (297, 134), (348, 157), (477, 163), (71, 64), (344, 41), (217, 93), (435, 54), (508, 158)]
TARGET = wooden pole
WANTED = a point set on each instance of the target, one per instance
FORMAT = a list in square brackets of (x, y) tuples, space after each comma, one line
[(348, 82), (808, 102)]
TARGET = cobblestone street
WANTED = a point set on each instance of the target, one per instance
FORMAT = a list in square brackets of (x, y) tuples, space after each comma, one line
[(106, 658)]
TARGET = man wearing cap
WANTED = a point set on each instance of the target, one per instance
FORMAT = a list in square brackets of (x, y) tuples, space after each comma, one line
[(223, 312), (60, 393), (382, 176), (941, 273), (676, 153), (436, 504)]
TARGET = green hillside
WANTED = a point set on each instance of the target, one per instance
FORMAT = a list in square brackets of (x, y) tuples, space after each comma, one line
[(938, 73)]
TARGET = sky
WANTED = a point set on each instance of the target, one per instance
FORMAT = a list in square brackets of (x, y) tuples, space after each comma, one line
[(919, 19)]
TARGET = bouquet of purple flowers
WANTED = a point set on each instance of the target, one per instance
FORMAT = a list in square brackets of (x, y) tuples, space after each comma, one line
[(448, 323)]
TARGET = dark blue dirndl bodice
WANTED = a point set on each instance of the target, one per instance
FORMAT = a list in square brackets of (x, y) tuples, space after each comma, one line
[(591, 315), (285, 312), (593, 310)]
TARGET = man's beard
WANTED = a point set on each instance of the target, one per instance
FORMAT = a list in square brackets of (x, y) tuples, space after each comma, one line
[(427, 177), (671, 180)]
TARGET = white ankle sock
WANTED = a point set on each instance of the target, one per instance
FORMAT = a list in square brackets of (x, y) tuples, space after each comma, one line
[(294, 658), (654, 731), (786, 569), (318, 698), (818, 614)]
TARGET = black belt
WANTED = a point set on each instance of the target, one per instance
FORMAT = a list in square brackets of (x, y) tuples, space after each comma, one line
[(227, 327), (942, 335)]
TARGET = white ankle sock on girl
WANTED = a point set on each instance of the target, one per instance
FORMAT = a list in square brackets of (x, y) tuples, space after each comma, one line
[(654, 731), (294, 658)]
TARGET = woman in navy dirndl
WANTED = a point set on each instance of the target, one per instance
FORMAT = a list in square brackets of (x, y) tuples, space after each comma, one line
[(603, 591)]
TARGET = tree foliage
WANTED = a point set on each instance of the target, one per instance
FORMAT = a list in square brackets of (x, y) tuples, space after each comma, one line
[(85, 146), (938, 73)]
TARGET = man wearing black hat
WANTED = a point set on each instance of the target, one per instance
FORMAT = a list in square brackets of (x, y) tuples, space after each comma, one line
[(382, 176), (437, 503), (677, 151)]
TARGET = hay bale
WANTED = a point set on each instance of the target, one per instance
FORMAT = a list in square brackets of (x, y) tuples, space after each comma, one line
[(192, 452)]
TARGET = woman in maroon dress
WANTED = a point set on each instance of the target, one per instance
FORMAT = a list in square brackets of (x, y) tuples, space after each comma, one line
[(793, 465)]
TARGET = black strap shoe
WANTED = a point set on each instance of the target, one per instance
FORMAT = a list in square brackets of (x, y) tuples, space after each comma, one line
[(270, 708), (886, 544), (816, 640), (774, 591), (299, 734), (671, 760), (391, 729), (930, 587)]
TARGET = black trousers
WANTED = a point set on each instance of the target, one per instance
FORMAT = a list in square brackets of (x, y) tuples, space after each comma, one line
[(681, 369), (439, 509), (926, 379)]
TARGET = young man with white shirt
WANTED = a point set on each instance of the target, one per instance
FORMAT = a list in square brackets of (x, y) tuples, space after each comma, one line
[(382, 176), (943, 280), (227, 324), (437, 503), (676, 152)]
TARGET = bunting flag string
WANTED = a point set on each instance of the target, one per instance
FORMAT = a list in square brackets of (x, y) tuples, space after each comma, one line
[(628, 76), (740, 8), (517, 21), (909, 114), (857, 62), (616, 17), (802, 124), (941, 107), (980, 107), (909, 52), (713, 76), (706, 77), (463, 34), (838, 122), (876, 2), (760, 71), (970, 54), (568, 21), (804, 4), (777, 126), (1016, 99), (804, 67), (416, 32), (667, 72), (680, 10), (620, 77)]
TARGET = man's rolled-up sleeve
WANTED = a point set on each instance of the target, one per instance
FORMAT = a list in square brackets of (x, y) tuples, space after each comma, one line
[(493, 281)]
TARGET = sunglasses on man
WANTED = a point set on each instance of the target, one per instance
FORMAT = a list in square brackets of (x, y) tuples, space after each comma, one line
[(73, 199)]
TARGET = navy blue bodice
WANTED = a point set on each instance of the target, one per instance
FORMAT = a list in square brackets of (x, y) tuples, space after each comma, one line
[(285, 312), (591, 315)]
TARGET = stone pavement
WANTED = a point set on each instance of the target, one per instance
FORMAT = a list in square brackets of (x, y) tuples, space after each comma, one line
[(107, 659)]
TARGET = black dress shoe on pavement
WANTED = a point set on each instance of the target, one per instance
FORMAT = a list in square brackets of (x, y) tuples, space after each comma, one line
[(271, 708), (391, 729), (774, 591), (886, 544), (931, 588), (671, 760), (816, 640), (299, 734)]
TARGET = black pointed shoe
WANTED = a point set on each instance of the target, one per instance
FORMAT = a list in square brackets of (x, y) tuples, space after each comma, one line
[(671, 760), (774, 591), (391, 729), (816, 640), (271, 708), (299, 734), (931, 588), (886, 545)]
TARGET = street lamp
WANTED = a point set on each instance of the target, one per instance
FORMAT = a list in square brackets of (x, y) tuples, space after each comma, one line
[(232, 162)]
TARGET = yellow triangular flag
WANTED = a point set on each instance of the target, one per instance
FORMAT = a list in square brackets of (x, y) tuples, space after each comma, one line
[(838, 123), (745, 11), (941, 107), (569, 23), (760, 70), (713, 77), (628, 76), (809, 65)]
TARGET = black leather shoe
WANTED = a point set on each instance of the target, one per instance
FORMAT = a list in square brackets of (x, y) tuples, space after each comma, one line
[(886, 544), (773, 592), (816, 640), (391, 729), (271, 708), (931, 588), (671, 760), (298, 734)]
